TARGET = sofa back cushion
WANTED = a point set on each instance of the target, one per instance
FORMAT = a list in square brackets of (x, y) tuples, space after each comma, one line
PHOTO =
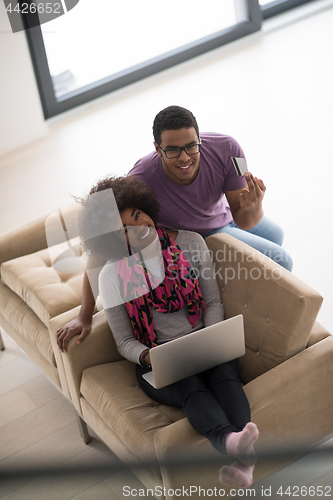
[(47, 292), (50, 280), (279, 310)]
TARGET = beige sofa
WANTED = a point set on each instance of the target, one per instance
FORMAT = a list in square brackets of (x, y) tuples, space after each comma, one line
[(287, 369), (32, 292)]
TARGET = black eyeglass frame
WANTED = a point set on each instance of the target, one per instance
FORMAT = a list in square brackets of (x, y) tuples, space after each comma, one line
[(165, 151)]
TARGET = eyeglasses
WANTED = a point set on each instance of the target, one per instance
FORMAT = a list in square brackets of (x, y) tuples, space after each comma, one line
[(192, 149)]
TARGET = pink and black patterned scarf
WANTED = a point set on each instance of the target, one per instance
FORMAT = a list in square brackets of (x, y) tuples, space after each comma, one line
[(180, 287)]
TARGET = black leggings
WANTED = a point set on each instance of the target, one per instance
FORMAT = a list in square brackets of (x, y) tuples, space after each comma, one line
[(214, 401)]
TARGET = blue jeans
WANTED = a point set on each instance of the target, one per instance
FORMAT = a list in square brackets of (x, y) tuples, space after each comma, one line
[(266, 237)]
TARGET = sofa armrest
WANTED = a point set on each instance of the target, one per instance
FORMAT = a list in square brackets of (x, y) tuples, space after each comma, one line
[(318, 333), (31, 237), (279, 310), (98, 348), (23, 240), (54, 324), (292, 403)]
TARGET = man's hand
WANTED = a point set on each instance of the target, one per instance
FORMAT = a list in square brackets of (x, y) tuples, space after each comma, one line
[(251, 197), (67, 332)]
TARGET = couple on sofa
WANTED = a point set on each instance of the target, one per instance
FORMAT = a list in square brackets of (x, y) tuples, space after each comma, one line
[(188, 174)]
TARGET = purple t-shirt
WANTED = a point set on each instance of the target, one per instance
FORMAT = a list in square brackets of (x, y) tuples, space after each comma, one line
[(200, 206)]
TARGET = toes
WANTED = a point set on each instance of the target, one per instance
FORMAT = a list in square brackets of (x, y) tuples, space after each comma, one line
[(248, 435), (253, 429), (228, 475)]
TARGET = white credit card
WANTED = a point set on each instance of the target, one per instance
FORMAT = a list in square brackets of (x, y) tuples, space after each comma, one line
[(240, 165)]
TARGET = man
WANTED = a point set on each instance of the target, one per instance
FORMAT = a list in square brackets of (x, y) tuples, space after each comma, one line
[(189, 174)]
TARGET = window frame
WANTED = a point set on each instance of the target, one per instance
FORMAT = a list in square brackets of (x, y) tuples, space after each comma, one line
[(280, 6), (53, 106)]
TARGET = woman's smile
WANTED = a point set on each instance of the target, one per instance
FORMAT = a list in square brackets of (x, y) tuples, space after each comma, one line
[(138, 227), (145, 234)]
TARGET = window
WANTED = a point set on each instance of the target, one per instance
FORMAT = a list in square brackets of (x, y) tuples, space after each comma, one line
[(85, 48), (87, 52), (97, 47)]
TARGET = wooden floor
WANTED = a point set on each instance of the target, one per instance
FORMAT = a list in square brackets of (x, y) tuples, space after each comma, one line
[(42, 455), (39, 432), (280, 110)]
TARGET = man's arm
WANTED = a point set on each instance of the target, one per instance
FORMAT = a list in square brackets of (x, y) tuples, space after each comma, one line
[(82, 324), (246, 203)]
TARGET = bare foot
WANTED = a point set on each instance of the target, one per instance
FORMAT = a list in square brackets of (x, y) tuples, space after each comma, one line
[(240, 444), (236, 475)]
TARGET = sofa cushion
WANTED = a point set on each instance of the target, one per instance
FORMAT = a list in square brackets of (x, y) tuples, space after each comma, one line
[(47, 292), (114, 392)]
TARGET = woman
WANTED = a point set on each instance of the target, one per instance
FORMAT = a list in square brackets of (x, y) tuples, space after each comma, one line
[(145, 308)]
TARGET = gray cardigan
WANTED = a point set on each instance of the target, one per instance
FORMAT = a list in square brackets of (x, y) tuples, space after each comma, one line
[(167, 326)]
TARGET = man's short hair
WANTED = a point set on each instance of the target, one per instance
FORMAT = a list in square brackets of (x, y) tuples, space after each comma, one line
[(173, 118)]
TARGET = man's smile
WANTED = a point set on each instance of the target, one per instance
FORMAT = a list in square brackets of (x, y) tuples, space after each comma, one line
[(185, 167)]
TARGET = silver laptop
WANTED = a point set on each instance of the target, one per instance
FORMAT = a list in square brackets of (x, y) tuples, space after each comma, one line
[(196, 352)]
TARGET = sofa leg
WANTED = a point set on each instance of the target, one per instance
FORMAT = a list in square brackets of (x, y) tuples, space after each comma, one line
[(83, 428), (2, 345)]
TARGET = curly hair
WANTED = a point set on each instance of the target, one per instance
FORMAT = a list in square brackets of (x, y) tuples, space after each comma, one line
[(98, 218), (173, 118)]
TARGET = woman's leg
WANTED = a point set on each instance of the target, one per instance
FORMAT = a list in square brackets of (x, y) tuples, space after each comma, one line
[(201, 407), (225, 385), (205, 413)]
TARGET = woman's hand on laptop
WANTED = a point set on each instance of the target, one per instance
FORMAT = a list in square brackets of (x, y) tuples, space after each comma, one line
[(145, 358), (77, 326)]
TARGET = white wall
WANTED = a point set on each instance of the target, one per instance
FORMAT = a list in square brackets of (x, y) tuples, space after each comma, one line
[(21, 115)]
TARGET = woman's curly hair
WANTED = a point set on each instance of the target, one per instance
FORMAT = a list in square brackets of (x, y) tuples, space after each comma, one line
[(98, 215)]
